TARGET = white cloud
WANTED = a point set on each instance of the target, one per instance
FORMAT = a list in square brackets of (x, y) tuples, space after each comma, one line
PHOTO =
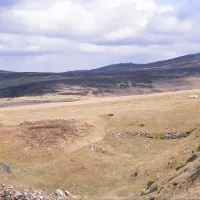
[(136, 30), (80, 19)]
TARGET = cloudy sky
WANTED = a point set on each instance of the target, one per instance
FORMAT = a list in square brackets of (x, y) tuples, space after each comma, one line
[(62, 35)]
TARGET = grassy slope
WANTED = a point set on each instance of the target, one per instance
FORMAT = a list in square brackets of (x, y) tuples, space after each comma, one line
[(107, 171)]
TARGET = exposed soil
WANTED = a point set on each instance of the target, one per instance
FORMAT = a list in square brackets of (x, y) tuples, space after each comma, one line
[(48, 133)]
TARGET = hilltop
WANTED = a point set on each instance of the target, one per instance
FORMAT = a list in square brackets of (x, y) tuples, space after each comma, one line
[(119, 79)]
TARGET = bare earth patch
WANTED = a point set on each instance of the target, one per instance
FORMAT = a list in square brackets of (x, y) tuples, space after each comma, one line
[(48, 133)]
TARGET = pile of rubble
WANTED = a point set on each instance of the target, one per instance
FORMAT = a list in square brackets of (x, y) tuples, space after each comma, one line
[(65, 194), (117, 135), (11, 193), (133, 133), (167, 136), (27, 193), (139, 133), (172, 136)]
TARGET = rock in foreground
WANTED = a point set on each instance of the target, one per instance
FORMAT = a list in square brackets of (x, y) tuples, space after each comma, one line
[(10, 193)]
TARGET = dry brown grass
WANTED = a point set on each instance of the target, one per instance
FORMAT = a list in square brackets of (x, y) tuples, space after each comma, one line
[(109, 170)]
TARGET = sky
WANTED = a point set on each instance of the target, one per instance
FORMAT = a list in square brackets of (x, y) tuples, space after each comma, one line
[(65, 35)]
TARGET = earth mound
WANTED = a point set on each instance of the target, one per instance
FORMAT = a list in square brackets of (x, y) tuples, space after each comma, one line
[(49, 133)]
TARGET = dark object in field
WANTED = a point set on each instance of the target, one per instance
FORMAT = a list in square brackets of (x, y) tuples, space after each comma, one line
[(192, 158), (149, 184), (111, 115), (5, 167)]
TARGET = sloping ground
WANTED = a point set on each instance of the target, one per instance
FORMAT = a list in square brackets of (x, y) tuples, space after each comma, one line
[(190, 194), (109, 148), (113, 80), (180, 184)]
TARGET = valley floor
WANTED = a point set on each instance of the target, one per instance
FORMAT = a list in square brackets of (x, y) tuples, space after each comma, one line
[(133, 147)]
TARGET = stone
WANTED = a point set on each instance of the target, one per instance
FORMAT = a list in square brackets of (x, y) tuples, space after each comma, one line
[(158, 176), (92, 147), (193, 96), (67, 193), (5, 167), (60, 193)]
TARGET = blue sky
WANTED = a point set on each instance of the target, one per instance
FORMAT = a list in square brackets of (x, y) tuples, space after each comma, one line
[(62, 35)]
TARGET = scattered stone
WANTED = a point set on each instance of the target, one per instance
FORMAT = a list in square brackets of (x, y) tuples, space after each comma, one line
[(173, 135), (10, 193), (167, 136), (158, 176), (5, 167), (117, 135), (67, 193), (193, 96), (131, 132), (140, 133), (187, 150), (92, 147), (60, 193)]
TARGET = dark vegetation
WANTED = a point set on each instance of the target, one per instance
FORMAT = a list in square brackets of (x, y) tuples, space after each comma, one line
[(104, 79)]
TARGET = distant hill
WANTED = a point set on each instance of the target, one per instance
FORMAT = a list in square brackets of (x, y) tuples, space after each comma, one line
[(5, 72), (119, 67), (117, 79), (192, 60)]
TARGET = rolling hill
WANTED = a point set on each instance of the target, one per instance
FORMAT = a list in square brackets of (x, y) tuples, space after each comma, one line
[(118, 79), (60, 134), (191, 61)]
